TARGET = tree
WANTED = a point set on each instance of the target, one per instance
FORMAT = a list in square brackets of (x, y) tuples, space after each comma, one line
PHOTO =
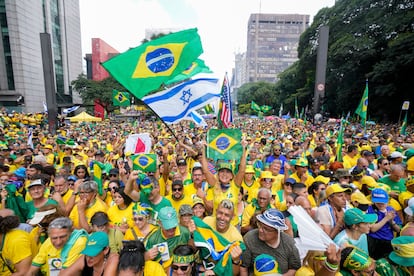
[(90, 90)]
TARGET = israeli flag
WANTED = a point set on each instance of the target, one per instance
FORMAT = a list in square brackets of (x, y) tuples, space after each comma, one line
[(176, 103), (198, 119), (70, 109)]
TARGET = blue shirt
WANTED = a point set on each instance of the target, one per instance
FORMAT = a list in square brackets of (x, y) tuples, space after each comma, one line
[(385, 232), (342, 240)]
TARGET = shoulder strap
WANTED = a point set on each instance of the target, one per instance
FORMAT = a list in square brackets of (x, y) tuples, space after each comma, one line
[(4, 261), (134, 233)]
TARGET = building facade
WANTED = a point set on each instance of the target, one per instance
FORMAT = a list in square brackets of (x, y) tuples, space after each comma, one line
[(22, 85), (272, 43)]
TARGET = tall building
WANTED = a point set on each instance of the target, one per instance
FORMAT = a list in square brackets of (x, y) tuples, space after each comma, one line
[(272, 43), (101, 52), (22, 85)]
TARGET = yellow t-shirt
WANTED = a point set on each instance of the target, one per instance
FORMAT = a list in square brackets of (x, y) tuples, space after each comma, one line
[(129, 236), (98, 205), (191, 191), (49, 258), (309, 180), (16, 247), (117, 216), (66, 197), (177, 203), (153, 268), (231, 194), (232, 234), (349, 162)]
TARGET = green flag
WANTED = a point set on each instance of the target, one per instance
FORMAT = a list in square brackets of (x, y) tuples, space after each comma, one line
[(255, 106), (208, 108), (224, 144), (340, 141), (403, 130), (265, 108), (362, 108), (144, 162), (120, 98), (145, 68), (196, 67), (296, 109)]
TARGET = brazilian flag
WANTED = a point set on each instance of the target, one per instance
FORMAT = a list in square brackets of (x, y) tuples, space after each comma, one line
[(403, 130), (214, 247), (144, 162), (120, 98), (255, 106), (145, 68), (362, 108), (196, 67), (265, 108), (98, 169), (224, 144)]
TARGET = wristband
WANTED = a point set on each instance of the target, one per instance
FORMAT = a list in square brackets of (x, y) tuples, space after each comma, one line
[(237, 263), (331, 267)]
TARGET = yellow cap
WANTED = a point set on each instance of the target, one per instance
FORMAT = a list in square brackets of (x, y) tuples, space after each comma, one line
[(360, 198)]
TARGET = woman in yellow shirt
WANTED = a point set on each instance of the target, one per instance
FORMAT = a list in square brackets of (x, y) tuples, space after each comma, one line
[(120, 214), (141, 214)]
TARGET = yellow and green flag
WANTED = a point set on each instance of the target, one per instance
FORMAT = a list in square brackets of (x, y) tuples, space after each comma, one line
[(255, 106), (120, 98), (144, 162), (98, 169), (265, 108), (224, 144), (340, 141), (196, 67), (362, 108), (145, 68), (403, 130)]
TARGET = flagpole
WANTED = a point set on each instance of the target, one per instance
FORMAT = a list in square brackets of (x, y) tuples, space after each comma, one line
[(172, 132)]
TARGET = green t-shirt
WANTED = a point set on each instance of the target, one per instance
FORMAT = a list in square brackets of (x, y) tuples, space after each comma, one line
[(395, 186), (33, 209)]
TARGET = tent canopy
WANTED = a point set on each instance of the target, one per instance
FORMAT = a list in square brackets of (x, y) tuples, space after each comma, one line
[(84, 117)]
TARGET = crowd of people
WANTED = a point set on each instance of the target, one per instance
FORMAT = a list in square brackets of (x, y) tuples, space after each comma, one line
[(193, 215)]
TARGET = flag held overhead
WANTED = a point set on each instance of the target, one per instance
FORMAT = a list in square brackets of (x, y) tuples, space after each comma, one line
[(224, 144), (145, 68)]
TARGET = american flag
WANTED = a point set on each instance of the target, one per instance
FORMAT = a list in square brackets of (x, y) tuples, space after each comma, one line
[(226, 116)]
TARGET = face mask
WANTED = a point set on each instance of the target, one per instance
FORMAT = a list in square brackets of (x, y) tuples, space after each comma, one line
[(225, 186), (363, 207), (322, 194)]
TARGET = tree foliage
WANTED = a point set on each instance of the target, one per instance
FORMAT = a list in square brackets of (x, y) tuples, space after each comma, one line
[(89, 90), (368, 39)]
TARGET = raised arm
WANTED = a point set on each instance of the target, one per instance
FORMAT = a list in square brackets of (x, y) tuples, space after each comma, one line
[(129, 186), (211, 179), (238, 179)]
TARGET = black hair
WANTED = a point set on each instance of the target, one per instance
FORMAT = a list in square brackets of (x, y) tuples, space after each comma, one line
[(186, 250), (37, 167), (298, 186), (8, 223), (315, 186), (127, 199), (131, 256), (83, 167), (344, 254)]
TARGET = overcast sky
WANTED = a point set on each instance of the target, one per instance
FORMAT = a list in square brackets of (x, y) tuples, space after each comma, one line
[(222, 24)]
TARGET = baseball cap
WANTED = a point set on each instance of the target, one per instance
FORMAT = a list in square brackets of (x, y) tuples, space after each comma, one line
[(360, 198), (355, 216), (197, 200), (97, 242), (397, 154), (48, 147), (290, 180), (226, 166), (39, 216), (323, 179), (379, 195), (342, 173), (181, 162), (273, 218), (99, 152), (266, 174), (168, 217), (409, 210), (335, 188), (35, 182), (114, 171), (185, 209), (249, 169), (99, 219), (302, 162), (177, 182), (369, 181)]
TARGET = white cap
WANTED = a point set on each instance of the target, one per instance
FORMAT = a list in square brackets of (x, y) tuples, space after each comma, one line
[(38, 216), (197, 165), (397, 154), (409, 210)]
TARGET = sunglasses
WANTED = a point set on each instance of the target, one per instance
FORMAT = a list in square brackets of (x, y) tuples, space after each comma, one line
[(180, 267), (138, 218), (112, 188), (177, 189), (267, 179), (113, 175)]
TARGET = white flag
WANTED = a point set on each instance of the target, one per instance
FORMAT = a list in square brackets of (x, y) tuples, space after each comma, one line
[(138, 143), (175, 104)]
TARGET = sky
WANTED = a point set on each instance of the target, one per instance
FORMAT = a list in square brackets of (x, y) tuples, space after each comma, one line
[(222, 24)]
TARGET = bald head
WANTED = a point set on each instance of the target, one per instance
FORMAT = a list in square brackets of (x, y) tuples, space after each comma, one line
[(305, 203)]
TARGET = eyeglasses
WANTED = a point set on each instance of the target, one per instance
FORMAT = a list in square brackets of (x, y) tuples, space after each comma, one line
[(113, 175), (138, 218), (384, 164), (180, 267), (265, 228), (177, 189), (112, 188)]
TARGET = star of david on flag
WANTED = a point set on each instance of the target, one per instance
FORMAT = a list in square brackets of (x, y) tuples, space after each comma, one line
[(186, 96), (224, 144)]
